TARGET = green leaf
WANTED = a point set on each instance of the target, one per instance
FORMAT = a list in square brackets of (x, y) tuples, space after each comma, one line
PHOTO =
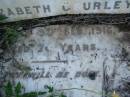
[(42, 93), (18, 89), (8, 89), (51, 89), (2, 17), (31, 94), (62, 95), (11, 35)]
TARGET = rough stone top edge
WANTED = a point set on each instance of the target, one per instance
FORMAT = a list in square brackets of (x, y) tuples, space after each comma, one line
[(86, 19)]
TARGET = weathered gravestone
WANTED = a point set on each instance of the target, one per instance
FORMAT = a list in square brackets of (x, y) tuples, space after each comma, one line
[(84, 60), (73, 57)]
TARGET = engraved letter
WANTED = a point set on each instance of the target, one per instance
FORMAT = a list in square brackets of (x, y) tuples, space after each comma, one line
[(85, 47), (78, 74), (97, 5), (19, 11), (65, 8), (1, 12), (117, 4), (37, 8), (128, 4), (106, 5), (77, 47), (46, 8), (85, 7), (28, 10), (10, 12)]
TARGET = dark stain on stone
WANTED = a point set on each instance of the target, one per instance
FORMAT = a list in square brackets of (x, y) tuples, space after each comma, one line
[(92, 75), (37, 68), (124, 87), (124, 27), (2, 32), (124, 54), (126, 37), (82, 86), (128, 64), (91, 61)]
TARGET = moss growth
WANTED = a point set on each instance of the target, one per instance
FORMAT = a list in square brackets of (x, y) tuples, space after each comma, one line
[(16, 91), (10, 35)]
